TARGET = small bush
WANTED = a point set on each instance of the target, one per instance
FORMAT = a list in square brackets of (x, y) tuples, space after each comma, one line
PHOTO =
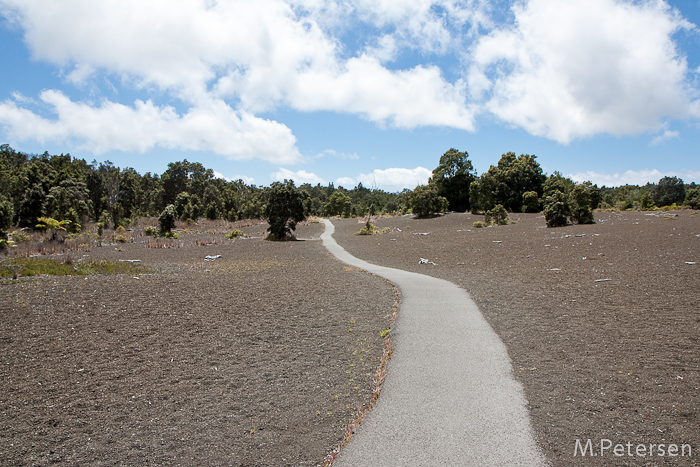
[(166, 220), (500, 215), (478, 225), (20, 236), (120, 238), (368, 229), (150, 231), (235, 233)]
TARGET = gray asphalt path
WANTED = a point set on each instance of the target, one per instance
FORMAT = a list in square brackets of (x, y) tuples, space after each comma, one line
[(449, 398)]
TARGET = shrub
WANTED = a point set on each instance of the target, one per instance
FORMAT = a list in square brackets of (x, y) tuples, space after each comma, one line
[(368, 229), (19, 236), (692, 197), (531, 202), (478, 225), (150, 231), (120, 238), (556, 209), (580, 205), (424, 201), (166, 220), (500, 215), (235, 233)]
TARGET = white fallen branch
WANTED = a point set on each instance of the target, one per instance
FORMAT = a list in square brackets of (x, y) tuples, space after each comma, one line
[(603, 280), (212, 258), (129, 260), (425, 261), (422, 233)]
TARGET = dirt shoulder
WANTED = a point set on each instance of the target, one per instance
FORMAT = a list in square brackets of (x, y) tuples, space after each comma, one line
[(601, 321), (260, 357)]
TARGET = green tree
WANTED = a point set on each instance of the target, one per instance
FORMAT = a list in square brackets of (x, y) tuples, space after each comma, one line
[(668, 191), (425, 201), (285, 208), (556, 209), (580, 203), (453, 178), (692, 197), (339, 204)]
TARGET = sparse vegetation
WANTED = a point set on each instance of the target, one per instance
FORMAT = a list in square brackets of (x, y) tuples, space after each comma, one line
[(26, 267), (235, 233)]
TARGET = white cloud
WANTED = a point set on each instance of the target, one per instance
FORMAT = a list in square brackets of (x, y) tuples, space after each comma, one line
[(633, 177), (346, 182), (247, 180), (338, 155), (394, 179), (667, 134), (570, 70), (213, 126), (300, 177)]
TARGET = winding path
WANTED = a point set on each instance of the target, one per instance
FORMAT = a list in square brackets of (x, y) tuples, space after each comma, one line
[(449, 398)]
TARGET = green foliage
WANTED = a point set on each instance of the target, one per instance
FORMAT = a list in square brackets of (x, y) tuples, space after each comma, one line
[(692, 197), (425, 201), (285, 208), (339, 204), (166, 220), (668, 191), (371, 229), (556, 209), (499, 215), (453, 178), (580, 204), (48, 223), (235, 233), (507, 182), (478, 224), (7, 214), (150, 231), (531, 202)]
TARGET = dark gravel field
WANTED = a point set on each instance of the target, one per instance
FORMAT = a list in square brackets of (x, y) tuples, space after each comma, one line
[(261, 357), (264, 355), (601, 321)]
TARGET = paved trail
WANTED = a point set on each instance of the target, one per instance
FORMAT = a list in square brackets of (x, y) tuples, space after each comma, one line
[(449, 398)]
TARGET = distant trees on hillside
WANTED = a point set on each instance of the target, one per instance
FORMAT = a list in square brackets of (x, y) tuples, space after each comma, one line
[(64, 188)]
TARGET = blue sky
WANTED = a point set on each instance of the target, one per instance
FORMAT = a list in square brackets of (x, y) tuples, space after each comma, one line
[(350, 91)]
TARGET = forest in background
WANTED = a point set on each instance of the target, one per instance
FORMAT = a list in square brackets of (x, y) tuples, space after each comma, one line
[(65, 188)]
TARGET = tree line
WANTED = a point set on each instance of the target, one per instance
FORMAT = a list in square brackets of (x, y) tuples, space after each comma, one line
[(65, 188)]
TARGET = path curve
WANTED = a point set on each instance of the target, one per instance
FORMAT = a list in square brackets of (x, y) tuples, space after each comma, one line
[(449, 397)]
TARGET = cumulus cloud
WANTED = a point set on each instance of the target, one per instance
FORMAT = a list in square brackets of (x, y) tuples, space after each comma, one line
[(573, 69), (255, 56), (667, 135), (560, 70), (300, 177), (633, 177), (390, 180), (212, 126)]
